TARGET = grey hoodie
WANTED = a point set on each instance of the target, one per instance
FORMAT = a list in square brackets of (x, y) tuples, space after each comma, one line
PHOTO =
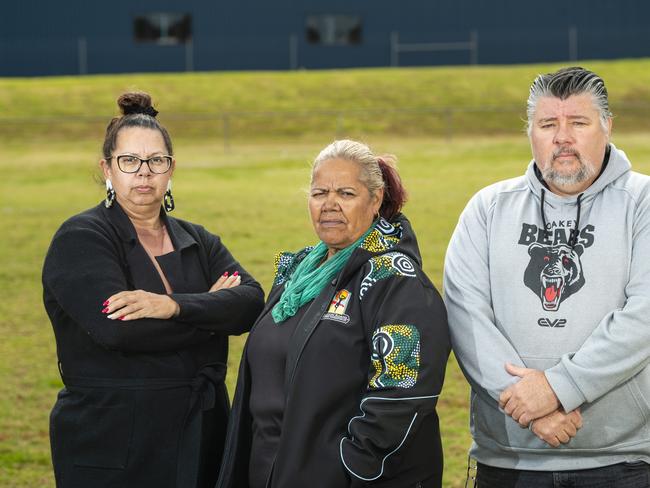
[(579, 312)]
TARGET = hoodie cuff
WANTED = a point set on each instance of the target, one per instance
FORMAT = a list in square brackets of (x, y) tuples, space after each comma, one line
[(565, 389)]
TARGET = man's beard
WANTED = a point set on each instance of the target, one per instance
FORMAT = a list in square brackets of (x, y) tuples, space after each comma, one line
[(561, 179)]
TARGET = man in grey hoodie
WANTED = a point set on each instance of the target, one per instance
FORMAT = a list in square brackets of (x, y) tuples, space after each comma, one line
[(547, 286)]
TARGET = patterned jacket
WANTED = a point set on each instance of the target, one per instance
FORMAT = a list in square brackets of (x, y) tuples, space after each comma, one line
[(363, 374)]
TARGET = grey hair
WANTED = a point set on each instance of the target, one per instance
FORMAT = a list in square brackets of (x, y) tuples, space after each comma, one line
[(356, 152), (567, 82)]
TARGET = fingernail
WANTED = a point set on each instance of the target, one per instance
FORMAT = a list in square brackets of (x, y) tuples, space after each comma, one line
[(121, 318), (105, 310), (236, 273), (105, 303), (226, 273)]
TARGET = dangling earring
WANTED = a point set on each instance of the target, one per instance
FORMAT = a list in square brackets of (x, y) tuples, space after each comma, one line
[(168, 199), (110, 194)]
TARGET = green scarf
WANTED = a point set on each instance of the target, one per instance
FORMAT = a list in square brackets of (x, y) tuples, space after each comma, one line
[(309, 279)]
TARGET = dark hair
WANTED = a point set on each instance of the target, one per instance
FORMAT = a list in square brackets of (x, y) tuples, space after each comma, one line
[(566, 82), (376, 172), (394, 191), (137, 111)]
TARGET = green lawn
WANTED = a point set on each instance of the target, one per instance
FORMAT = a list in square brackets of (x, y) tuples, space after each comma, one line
[(360, 102), (254, 194)]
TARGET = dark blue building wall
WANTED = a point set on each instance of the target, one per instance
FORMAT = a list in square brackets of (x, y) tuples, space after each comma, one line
[(54, 38)]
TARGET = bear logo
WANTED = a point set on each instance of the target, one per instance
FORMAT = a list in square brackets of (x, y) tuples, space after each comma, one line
[(554, 273)]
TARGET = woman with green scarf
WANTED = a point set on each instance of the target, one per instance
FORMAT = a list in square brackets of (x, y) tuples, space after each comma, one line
[(342, 371)]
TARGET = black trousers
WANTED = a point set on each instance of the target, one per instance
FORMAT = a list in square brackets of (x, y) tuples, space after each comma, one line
[(624, 475)]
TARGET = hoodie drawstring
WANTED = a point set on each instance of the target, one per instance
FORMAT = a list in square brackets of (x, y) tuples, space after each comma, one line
[(573, 240), (542, 209)]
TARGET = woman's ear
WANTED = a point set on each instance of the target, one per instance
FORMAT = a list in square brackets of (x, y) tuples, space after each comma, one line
[(106, 168), (378, 200)]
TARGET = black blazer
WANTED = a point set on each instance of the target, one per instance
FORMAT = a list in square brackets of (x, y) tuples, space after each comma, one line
[(144, 403)]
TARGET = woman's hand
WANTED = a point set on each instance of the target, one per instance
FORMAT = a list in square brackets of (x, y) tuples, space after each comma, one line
[(140, 304), (226, 281)]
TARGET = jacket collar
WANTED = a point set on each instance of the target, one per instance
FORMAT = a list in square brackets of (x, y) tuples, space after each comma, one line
[(116, 216)]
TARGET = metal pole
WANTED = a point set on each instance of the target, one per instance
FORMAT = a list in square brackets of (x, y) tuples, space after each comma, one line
[(473, 50), (394, 48), (225, 125), (293, 52), (82, 55), (573, 43), (189, 55), (449, 122)]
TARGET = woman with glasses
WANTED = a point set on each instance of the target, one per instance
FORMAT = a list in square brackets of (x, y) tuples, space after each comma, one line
[(142, 305)]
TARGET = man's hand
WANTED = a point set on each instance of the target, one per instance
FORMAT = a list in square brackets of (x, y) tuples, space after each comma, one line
[(139, 304), (557, 427), (530, 398)]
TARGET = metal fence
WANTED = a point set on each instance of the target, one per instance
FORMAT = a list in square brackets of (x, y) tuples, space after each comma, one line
[(108, 53), (230, 128)]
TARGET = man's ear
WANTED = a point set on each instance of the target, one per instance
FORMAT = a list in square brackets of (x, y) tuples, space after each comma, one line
[(610, 121)]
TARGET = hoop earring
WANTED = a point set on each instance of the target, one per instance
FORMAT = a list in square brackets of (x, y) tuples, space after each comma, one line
[(168, 198), (110, 194)]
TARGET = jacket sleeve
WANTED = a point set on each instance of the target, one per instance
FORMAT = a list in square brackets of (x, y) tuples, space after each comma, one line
[(617, 349), (227, 311), (480, 347), (83, 268), (408, 339)]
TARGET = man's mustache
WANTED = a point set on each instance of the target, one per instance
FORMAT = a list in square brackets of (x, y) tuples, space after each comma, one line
[(564, 151)]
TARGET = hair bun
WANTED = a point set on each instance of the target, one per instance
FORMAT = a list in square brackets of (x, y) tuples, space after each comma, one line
[(136, 103)]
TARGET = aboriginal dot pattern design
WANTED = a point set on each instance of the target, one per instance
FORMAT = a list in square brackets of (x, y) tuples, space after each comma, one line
[(395, 356), (286, 263), (383, 237)]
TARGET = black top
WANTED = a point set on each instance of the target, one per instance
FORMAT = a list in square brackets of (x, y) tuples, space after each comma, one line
[(268, 345), (363, 372), (144, 402)]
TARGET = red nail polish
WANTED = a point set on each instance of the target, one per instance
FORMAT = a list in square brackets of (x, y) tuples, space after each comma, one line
[(105, 310), (226, 273), (105, 303), (236, 273), (121, 318)]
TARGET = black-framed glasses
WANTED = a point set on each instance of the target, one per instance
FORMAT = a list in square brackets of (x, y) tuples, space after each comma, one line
[(132, 164)]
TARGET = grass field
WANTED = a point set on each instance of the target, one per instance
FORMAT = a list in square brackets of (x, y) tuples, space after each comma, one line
[(261, 105), (253, 197)]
